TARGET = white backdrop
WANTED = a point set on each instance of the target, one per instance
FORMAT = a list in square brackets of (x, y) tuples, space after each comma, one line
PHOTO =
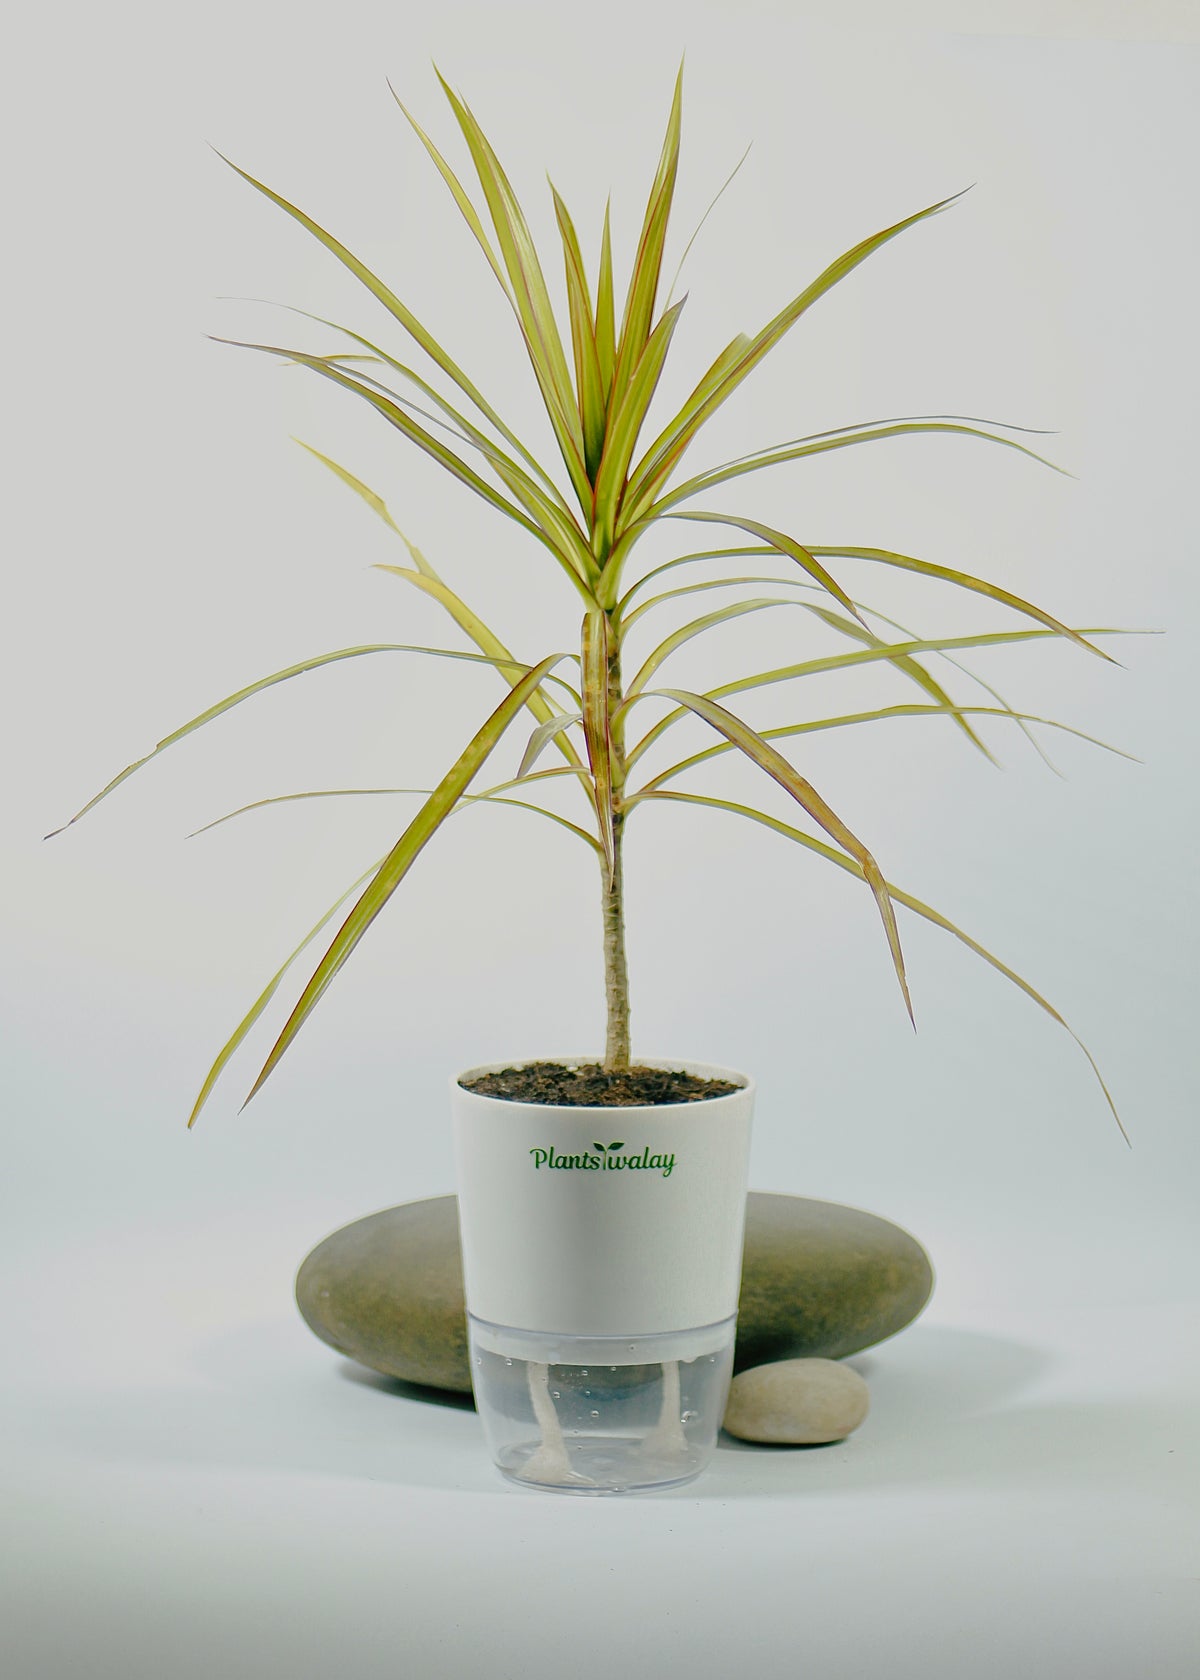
[(169, 543)]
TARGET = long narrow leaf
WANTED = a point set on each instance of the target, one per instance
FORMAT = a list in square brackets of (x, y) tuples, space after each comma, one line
[(606, 348), (396, 416), (697, 627), (767, 758), (907, 667), (785, 545), (814, 725), (844, 661), (360, 793), (625, 424), (264, 997), (908, 901), (468, 431), (665, 452), (232, 700), (383, 293), (590, 385), (530, 293), (544, 733), (718, 196), (794, 452), (458, 193), (402, 856), (647, 267), (963, 580)]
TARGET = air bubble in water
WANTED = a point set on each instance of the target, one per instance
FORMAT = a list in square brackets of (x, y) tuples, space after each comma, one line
[(555, 1395), (582, 1372), (508, 1361), (688, 1417), (595, 1414)]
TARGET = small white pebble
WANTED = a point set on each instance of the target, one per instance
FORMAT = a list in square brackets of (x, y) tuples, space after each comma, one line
[(796, 1402)]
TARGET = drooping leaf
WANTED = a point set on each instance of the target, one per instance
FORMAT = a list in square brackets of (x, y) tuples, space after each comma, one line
[(963, 580), (264, 997), (907, 667), (879, 714), (846, 439), (802, 791), (697, 627), (568, 549), (899, 897), (780, 541), (384, 294), (467, 799), (843, 661), (402, 856), (232, 700)]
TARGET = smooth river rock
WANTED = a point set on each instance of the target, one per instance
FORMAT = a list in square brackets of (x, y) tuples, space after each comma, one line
[(796, 1402), (818, 1280)]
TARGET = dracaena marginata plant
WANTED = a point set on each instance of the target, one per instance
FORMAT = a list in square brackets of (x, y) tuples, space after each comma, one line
[(615, 480)]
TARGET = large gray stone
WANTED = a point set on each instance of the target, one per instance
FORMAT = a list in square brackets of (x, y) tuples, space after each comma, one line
[(818, 1281)]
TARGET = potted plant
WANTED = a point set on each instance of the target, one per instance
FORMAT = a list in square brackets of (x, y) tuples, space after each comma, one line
[(602, 1201)]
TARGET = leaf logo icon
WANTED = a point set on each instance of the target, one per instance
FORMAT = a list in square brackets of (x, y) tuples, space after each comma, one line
[(616, 1146), (599, 1146)]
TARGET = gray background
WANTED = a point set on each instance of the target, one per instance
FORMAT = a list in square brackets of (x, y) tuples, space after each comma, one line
[(196, 1485)]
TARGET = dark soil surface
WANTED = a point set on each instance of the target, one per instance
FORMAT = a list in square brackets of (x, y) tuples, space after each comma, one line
[(588, 1086)]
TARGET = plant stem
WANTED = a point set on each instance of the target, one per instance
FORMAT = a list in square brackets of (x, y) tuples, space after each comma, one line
[(616, 973)]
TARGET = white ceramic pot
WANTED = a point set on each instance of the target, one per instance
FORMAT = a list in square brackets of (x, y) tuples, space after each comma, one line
[(602, 1256)]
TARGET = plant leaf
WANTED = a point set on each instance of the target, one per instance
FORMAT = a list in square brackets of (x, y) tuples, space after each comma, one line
[(590, 387), (542, 734), (963, 580), (842, 661), (765, 756), (647, 267), (469, 213), (907, 666), (664, 454), (605, 326), (697, 627), (625, 424), (812, 726), (909, 903), (386, 297), (785, 545), (529, 292), (232, 700), (264, 997), (819, 445), (402, 856), (467, 799)]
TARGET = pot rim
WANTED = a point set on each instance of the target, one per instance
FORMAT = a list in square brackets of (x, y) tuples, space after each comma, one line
[(677, 1064)]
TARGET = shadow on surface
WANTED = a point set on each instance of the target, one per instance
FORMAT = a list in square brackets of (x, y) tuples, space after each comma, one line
[(947, 1413)]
